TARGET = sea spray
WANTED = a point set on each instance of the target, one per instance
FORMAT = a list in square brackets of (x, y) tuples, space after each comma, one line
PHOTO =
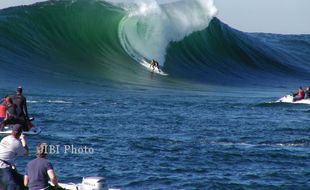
[(149, 26)]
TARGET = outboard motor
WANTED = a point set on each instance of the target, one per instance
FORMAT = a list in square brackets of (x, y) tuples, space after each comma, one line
[(94, 183)]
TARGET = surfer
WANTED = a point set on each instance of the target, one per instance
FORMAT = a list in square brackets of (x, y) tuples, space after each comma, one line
[(154, 64), (300, 95), (10, 148)]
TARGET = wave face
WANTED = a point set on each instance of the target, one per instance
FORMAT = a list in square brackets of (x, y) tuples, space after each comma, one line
[(221, 54), (90, 41)]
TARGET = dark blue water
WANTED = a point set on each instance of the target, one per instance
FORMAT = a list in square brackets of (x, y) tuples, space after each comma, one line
[(150, 138)]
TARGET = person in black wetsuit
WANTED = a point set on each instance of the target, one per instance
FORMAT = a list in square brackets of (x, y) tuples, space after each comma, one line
[(10, 109), (154, 64), (307, 94), (21, 106)]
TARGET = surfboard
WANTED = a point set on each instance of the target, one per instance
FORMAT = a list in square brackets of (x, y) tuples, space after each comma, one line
[(289, 99), (149, 68)]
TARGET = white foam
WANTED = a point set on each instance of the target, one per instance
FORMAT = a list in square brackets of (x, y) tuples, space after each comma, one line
[(150, 26), (49, 101), (59, 102)]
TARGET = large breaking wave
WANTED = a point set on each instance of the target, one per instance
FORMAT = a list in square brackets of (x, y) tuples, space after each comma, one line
[(92, 40), (149, 27)]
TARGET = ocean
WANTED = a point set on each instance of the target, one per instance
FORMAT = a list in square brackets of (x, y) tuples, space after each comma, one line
[(211, 123)]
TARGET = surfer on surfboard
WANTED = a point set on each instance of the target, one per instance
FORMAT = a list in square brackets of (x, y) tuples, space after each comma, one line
[(154, 64)]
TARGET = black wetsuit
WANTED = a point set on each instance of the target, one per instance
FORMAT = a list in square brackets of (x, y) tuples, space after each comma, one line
[(11, 111), (11, 116), (21, 107), (155, 64), (307, 94)]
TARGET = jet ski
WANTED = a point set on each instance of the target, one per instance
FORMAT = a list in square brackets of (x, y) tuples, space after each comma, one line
[(32, 129), (290, 99)]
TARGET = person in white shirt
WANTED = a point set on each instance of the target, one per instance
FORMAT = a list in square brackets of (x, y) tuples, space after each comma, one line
[(11, 147)]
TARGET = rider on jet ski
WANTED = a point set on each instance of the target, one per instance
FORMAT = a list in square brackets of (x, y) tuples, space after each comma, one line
[(300, 95), (307, 94)]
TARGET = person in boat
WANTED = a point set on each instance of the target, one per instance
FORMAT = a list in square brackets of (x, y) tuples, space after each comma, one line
[(154, 64), (11, 147), (3, 109), (11, 114), (40, 170), (300, 95), (21, 106), (307, 94)]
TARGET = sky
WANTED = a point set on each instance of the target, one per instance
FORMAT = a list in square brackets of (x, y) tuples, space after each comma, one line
[(272, 16)]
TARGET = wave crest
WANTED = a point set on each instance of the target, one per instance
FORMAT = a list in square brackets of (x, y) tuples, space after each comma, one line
[(149, 26)]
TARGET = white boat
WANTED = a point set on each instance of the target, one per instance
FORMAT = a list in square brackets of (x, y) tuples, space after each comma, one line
[(88, 183), (290, 99)]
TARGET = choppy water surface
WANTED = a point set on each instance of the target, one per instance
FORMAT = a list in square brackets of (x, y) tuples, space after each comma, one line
[(174, 139)]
